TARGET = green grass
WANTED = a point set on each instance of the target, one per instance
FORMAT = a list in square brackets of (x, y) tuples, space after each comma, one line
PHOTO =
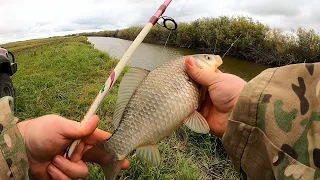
[(63, 75)]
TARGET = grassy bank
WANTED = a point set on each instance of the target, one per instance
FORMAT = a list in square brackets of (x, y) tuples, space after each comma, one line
[(252, 40), (63, 75)]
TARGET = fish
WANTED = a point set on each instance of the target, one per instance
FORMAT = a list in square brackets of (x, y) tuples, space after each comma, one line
[(150, 106)]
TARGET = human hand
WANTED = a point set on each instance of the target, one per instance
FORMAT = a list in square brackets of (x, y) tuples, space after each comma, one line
[(3, 52), (224, 90), (47, 137)]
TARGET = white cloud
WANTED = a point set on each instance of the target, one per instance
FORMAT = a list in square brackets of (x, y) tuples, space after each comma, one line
[(272, 7), (37, 18)]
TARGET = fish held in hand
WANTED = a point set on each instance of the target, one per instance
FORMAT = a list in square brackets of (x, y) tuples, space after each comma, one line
[(150, 106)]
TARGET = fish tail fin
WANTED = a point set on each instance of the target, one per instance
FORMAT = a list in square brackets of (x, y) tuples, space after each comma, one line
[(103, 156), (112, 169)]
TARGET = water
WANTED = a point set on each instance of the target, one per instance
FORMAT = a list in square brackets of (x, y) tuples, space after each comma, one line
[(149, 56)]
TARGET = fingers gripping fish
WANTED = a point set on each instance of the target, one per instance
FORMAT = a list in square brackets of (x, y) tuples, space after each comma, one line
[(150, 106)]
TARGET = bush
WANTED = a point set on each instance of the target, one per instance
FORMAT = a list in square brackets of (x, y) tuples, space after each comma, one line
[(251, 40)]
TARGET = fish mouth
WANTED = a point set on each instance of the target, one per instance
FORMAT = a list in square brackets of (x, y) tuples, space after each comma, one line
[(207, 60)]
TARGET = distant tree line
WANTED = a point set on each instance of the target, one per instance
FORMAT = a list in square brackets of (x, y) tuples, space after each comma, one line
[(251, 40)]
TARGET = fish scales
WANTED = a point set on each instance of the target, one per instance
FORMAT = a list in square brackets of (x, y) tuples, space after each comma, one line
[(150, 107), (156, 109)]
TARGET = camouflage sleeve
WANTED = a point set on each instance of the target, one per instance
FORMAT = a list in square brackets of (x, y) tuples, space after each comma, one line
[(274, 130), (13, 159)]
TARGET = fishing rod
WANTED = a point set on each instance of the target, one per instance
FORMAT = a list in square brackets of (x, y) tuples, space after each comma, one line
[(120, 66)]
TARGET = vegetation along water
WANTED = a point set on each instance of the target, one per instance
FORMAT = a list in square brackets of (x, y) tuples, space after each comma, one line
[(254, 41)]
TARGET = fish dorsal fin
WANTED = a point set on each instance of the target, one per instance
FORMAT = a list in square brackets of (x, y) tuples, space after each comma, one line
[(130, 82), (197, 123), (150, 154)]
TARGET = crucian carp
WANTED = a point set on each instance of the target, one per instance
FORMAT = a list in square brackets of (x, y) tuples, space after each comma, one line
[(150, 106)]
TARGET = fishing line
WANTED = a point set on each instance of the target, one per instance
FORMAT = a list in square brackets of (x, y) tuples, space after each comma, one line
[(165, 45), (231, 46)]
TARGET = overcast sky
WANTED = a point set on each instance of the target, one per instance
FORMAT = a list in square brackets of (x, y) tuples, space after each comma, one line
[(29, 19)]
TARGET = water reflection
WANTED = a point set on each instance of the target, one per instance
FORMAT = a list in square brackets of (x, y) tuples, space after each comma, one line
[(149, 56)]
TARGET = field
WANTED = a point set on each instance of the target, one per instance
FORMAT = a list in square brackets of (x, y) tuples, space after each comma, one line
[(63, 75)]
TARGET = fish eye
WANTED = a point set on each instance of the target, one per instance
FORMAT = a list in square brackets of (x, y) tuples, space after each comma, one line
[(207, 57)]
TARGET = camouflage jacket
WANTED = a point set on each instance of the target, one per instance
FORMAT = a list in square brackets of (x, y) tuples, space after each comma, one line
[(13, 159), (274, 130)]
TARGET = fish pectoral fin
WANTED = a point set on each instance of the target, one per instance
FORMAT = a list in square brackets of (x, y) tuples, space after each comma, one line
[(197, 123), (130, 82), (150, 154)]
